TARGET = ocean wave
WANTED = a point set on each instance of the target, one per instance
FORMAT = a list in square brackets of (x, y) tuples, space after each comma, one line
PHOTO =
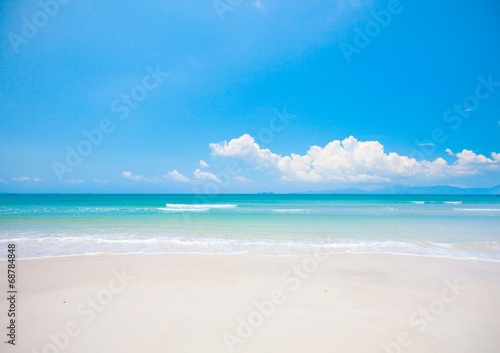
[(291, 210), (35, 210), (453, 202), (418, 202), (179, 207), (183, 209), (478, 209), (200, 205), (71, 245)]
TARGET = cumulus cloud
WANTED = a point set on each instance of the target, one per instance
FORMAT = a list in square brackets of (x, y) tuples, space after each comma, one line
[(350, 160), (132, 177), (205, 176), (469, 163), (176, 176), (204, 164)]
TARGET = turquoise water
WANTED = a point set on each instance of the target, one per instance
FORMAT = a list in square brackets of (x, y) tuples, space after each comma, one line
[(55, 225)]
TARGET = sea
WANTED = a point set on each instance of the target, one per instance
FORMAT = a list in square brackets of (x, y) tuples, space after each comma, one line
[(49, 225)]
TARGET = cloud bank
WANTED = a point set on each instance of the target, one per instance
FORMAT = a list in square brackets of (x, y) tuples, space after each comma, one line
[(351, 160)]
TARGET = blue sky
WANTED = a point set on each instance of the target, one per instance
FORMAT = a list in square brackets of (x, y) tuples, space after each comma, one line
[(232, 75)]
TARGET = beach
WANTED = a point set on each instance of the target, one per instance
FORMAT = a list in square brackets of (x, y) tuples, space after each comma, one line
[(260, 176), (251, 273), (254, 303)]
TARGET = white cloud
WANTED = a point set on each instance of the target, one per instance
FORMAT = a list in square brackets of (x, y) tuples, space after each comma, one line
[(426, 144), (73, 181), (350, 160), (176, 176), (20, 179), (23, 178), (132, 177), (460, 186), (100, 181), (198, 174), (469, 163), (129, 175), (242, 179), (204, 164), (3, 181)]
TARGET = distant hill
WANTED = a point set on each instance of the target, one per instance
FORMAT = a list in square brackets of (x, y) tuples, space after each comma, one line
[(349, 191), (415, 190), (440, 190)]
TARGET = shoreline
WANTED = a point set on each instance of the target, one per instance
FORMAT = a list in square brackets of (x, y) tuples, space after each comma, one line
[(245, 303), (255, 254)]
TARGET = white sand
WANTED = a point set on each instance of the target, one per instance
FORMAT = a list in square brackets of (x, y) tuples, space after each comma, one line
[(186, 303)]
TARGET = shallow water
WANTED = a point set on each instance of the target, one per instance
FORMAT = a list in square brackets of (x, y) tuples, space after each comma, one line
[(55, 225)]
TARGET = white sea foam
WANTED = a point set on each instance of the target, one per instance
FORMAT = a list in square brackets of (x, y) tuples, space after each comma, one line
[(74, 210), (453, 202), (114, 244), (291, 210), (478, 209), (202, 205), (418, 202), (182, 207)]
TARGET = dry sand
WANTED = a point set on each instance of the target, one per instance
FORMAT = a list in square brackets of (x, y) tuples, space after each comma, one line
[(246, 303)]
